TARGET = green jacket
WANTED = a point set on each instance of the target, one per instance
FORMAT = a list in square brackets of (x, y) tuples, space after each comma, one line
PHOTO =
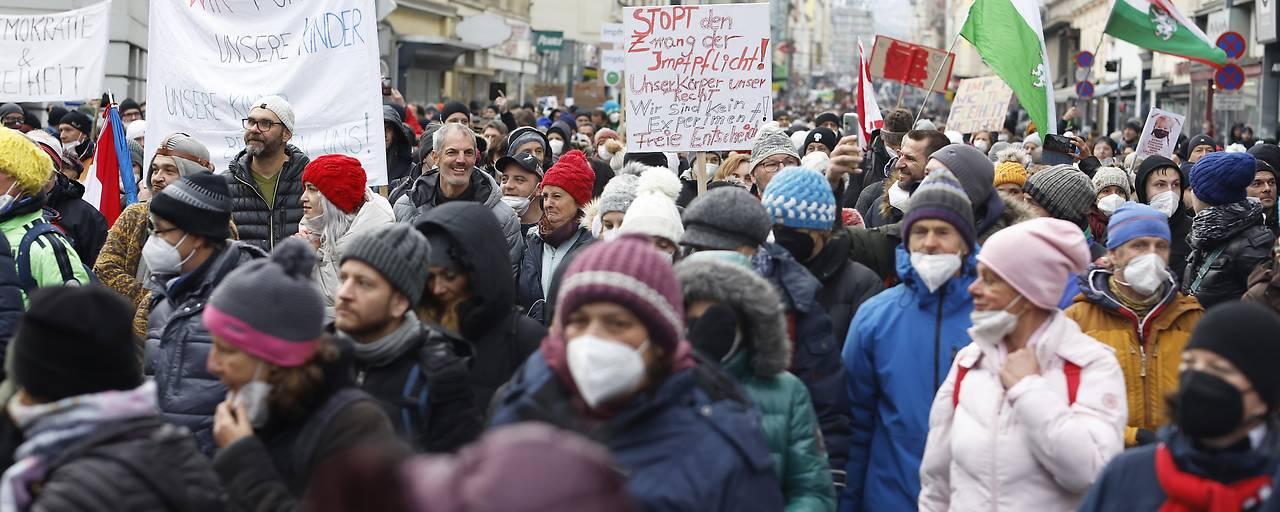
[(44, 262)]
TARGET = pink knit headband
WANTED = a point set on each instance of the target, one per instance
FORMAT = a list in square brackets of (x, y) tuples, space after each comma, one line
[(277, 351)]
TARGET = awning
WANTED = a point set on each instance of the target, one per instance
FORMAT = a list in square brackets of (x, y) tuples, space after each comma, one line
[(1065, 94), (431, 52)]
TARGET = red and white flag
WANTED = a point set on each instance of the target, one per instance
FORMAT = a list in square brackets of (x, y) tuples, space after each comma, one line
[(868, 110), (111, 162)]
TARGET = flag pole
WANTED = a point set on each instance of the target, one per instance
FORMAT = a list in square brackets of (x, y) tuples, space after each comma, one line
[(951, 55)]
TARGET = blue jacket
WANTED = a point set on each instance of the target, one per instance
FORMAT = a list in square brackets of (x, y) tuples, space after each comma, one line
[(178, 344), (693, 444), (899, 350), (816, 355)]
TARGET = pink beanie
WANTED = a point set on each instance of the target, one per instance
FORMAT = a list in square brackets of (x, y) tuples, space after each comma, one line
[(1037, 258)]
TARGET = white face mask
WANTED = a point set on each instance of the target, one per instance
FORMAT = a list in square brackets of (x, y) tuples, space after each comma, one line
[(1167, 202), (1003, 137), (557, 146), (164, 259), (610, 235), (1109, 203), (898, 198), (1145, 274), (517, 203), (712, 169), (935, 269), (993, 325), (6, 200), (604, 369), (604, 153), (253, 396), (982, 145)]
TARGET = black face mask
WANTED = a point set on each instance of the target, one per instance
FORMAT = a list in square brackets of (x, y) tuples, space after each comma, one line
[(798, 243), (1159, 133), (715, 333), (1206, 406)]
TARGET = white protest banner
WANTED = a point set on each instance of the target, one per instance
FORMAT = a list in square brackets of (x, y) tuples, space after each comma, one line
[(698, 77), (53, 57), (981, 105), (1160, 133), (210, 61)]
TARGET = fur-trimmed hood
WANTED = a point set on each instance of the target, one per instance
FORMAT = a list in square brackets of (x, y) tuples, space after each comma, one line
[(1015, 211), (752, 298)]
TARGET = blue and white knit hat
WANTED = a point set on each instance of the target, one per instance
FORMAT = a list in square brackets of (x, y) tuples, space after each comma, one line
[(800, 198)]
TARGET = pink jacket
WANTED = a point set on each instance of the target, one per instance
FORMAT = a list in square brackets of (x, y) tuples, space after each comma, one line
[(1025, 449)]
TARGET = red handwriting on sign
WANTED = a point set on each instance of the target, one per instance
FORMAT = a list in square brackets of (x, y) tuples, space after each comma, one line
[(664, 18)]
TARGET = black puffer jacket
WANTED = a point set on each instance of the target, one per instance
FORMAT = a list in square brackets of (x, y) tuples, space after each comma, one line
[(529, 290), (259, 225), (82, 223), (845, 284), (1227, 243), (140, 464), (501, 336)]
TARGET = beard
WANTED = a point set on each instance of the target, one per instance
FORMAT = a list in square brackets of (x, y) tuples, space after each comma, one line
[(260, 146)]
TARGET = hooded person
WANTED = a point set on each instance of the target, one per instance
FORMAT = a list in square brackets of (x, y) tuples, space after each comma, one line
[(82, 222), (337, 205), (616, 364), (991, 211), (653, 213), (93, 437), (1160, 183), (730, 219), (466, 296), (803, 210), (565, 190), (1032, 410), (901, 341), (558, 137), (120, 265), (1220, 451), (1135, 307), (399, 143), (290, 405), (1228, 239), (187, 256), (734, 320)]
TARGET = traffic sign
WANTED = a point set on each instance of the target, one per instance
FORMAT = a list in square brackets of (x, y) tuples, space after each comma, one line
[(1084, 90), (1232, 43), (1230, 77), (1084, 59), (612, 78)]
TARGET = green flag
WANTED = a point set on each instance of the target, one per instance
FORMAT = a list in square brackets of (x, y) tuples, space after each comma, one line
[(1009, 37), (1157, 25)]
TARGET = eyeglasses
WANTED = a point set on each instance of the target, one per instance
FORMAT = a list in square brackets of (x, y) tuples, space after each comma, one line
[(264, 125), (772, 166), (151, 227)]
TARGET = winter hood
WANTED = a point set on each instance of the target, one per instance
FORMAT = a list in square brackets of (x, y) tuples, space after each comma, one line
[(764, 326), (475, 231)]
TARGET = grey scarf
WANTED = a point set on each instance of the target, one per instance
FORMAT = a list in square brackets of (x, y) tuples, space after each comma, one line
[(390, 347)]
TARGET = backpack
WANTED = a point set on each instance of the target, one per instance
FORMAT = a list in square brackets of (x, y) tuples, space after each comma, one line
[(1070, 369), (59, 242)]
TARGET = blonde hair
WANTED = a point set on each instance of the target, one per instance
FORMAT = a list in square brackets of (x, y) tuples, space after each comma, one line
[(729, 164)]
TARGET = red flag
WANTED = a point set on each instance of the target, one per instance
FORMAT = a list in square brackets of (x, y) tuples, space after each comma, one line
[(111, 159)]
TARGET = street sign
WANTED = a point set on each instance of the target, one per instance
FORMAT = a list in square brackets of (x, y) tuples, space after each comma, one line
[(1084, 90), (612, 78), (1084, 59), (612, 33), (1230, 77), (548, 41), (1229, 101), (1232, 43)]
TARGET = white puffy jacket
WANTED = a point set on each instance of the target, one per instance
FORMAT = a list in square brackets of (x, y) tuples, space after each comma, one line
[(1024, 449)]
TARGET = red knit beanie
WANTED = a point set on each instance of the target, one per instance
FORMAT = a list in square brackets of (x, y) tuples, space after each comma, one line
[(573, 174), (340, 178)]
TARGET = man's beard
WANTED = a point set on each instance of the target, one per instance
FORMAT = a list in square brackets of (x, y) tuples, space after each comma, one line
[(258, 147)]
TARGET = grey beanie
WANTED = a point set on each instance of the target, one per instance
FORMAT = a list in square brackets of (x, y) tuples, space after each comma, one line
[(135, 153), (398, 252), (1064, 191), (771, 141), (971, 168), (1108, 176), (189, 153), (726, 218), (993, 154), (270, 307), (10, 108), (621, 190)]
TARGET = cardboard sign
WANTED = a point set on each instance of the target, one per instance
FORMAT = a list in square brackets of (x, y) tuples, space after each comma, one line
[(697, 76), (208, 64), (911, 64), (545, 89), (981, 105), (1160, 134), (588, 94), (53, 57)]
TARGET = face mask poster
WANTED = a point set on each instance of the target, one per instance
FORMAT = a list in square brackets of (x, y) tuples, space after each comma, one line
[(1160, 134), (218, 58), (53, 57), (698, 77)]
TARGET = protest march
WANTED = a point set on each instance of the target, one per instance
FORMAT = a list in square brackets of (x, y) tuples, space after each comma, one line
[(770, 255)]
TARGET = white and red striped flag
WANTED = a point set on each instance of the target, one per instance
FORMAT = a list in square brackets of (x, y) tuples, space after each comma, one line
[(111, 160), (868, 109)]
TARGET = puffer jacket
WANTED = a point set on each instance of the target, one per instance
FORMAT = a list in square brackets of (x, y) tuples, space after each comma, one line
[(1149, 349), (178, 343), (691, 444), (424, 195), (83, 224), (139, 464), (845, 284), (1227, 243), (529, 292), (375, 211), (259, 225), (760, 367), (897, 353), (1046, 451)]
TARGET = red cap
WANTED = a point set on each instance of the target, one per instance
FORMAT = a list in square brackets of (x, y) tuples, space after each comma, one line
[(340, 178), (573, 174)]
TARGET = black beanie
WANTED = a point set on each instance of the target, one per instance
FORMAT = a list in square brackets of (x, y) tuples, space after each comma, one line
[(78, 120), (198, 203), (1269, 153), (646, 158), (75, 341), (1149, 165), (454, 107), (1244, 333), (129, 104), (1198, 140), (822, 136), (826, 117)]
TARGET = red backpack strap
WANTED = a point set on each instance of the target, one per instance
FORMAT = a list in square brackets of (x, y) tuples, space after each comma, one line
[(955, 394), (1072, 371)]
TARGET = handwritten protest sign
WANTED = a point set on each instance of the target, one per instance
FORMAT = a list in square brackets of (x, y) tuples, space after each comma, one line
[(53, 57), (981, 105), (1160, 134), (218, 57), (697, 76)]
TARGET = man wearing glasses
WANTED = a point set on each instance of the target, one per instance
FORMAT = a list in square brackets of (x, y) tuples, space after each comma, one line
[(265, 179), (772, 152)]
